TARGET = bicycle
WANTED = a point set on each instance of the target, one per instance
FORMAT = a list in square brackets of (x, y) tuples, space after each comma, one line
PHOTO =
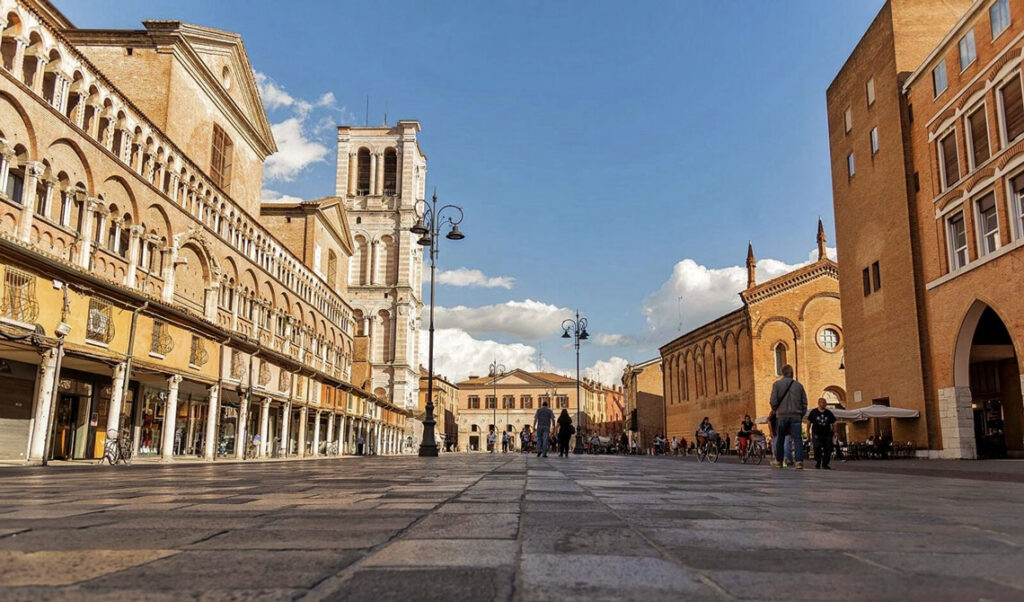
[(252, 452), (708, 450), (117, 448), (332, 449), (755, 452)]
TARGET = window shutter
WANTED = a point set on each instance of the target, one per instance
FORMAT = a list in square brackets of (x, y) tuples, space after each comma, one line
[(952, 168), (1013, 109), (979, 137)]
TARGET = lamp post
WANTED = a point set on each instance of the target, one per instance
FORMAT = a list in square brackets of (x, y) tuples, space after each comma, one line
[(577, 331), (430, 220), (496, 370)]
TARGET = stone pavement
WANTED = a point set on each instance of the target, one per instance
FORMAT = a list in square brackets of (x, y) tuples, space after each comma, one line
[(482, 527)]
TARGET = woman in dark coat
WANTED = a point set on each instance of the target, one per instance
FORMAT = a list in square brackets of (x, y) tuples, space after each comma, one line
[(565, 432)]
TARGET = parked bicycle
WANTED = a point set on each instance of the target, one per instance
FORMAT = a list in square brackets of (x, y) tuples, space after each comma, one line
[(117, 448), (332, 449), (252, 451)]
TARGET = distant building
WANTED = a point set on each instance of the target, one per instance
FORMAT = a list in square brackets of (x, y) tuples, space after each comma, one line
[(725, 368), (446, 412), (519, 394), (926, 130), (643, 402)]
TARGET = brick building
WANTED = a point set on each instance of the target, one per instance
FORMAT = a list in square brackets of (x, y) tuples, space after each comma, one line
[(926, 127), (446, 413), (725, 368), (644, 401)]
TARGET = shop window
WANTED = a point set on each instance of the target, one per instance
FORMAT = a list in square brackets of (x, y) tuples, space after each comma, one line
[(162, 342), (19, 301), (100, 326), (197, 354)]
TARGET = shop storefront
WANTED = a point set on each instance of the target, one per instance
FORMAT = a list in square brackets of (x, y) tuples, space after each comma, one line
[(18, 382), (80, 416), (227, 428), (150, 419)]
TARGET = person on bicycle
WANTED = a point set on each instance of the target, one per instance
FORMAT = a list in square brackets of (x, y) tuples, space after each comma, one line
[(746, 431), (705, 432)]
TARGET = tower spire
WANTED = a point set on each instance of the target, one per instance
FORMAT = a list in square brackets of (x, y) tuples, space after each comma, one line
[(751, 265), (821, 240)]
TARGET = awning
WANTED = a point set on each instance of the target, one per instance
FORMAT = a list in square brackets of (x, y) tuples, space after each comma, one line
[(872, 411)]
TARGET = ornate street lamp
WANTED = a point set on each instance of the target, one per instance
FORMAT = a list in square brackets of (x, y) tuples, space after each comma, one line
[(577, 331), (430, 220), (496, 370)]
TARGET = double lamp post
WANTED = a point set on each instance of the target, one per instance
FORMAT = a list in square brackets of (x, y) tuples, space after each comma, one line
[(430, 220), (577, 331)]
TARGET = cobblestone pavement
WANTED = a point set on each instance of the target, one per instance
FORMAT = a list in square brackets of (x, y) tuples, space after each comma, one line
[(483, 527)]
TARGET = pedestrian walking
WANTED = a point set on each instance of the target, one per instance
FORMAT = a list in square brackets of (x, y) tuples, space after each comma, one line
[(359, 445), (504, 442), (543, 420), (524, 438), (789, 402), (674, 445), (491, 439), (565, 433), (820, 422)]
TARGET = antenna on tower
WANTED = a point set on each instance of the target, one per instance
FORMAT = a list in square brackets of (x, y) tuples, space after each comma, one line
[(385, 113), (366, 119)]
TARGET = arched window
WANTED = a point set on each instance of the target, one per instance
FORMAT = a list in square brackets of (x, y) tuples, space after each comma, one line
[(363, 164), (9, 47), (390, 172), (780, 357)]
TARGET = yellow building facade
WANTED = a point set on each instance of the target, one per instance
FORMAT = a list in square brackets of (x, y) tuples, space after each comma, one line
[(143, 294)]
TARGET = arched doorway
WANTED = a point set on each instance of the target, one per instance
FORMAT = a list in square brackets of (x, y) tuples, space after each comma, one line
[(987, 377)]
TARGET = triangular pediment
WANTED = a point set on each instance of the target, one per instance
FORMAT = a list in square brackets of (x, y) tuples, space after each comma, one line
[(220, 63)]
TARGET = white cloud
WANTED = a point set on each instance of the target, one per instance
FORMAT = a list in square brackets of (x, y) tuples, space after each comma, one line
[(326, 100), (274, 96), (607, 372), (273, 196), (830, 252), (295, 150), (695, 294), (613, 340), (457, 355), (529, 320), (473, 278)]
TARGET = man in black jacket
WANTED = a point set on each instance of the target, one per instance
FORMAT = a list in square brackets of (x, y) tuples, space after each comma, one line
[(819, 423)]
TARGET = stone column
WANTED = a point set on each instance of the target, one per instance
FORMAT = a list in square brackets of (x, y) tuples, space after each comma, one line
[(285, 423), (380, 173), (6, 160), (125, 152), (241, 436), (18, 63), (264, 425), (89, 207), (373, 261), (45, 382), (330, 430), (167, 295), (116, 398), (343, 435), (373, 173), (303, 424), (956, 418), (316, 434), (37, 79), (60, 92), (33, 171), (133, 255), (212, 412), (353, 173), (170, 417)]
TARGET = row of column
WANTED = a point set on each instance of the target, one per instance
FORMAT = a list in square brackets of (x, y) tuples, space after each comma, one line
[(378, 438), (376, 183)]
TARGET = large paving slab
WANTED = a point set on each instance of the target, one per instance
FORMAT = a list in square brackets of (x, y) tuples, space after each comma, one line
[(512, 527)]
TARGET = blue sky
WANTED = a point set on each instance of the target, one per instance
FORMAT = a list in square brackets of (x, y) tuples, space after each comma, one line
[(610, 156)]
